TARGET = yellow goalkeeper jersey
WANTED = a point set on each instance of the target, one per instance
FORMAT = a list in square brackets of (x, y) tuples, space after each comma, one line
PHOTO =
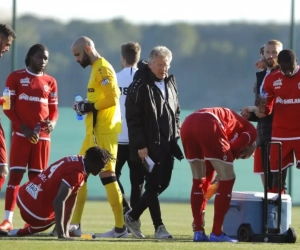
[(103, 91)]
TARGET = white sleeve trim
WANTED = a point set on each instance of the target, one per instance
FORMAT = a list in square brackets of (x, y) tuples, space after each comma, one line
[(248, 136), (67, 183)]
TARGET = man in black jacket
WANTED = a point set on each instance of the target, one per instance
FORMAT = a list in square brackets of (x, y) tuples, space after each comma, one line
[(270, 53), (152, 114)]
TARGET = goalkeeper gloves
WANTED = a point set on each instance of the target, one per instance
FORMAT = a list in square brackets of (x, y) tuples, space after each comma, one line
[(82, 108)]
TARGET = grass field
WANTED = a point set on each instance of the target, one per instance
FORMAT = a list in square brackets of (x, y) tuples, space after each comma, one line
[(98, 218)]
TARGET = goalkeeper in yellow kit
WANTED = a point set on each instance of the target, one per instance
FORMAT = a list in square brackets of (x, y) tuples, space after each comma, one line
[(103, 124)]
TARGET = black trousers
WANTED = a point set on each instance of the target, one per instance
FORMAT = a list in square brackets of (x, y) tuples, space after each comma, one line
[(156, 182), (136, 173)]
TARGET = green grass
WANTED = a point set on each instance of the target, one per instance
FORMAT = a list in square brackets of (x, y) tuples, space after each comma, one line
[(98, 218)]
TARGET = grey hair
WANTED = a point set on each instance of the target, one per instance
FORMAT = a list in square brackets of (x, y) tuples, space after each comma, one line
[(160, 51)]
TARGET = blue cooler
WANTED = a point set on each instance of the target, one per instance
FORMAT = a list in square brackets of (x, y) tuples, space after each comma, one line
[(246, 208)]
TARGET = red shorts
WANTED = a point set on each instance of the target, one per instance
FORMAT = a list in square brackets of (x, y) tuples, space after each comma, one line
[(258, 166), (24, 153), (3, 157), (289, 149), (203, 138), (34, 220)]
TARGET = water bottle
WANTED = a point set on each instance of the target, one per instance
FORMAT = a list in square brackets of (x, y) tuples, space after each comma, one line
[(78, 98), (211, 191), (37, 130), (6, 97), (262, 102)]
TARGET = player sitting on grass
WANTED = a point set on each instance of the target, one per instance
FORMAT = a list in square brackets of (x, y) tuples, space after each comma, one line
[(50, 197)]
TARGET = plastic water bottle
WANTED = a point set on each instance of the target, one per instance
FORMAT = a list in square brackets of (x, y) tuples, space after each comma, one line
[(78, 98), (37, 130), (6, 97), (211, 191)]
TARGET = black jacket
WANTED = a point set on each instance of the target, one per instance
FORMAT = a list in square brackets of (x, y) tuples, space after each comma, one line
[(264, 125), (144, 102)]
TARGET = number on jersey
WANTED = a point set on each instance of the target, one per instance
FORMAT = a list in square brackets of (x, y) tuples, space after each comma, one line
[(123, 90), (54, 167)]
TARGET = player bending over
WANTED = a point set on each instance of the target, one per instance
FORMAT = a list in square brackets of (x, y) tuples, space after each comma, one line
[(212, 139)]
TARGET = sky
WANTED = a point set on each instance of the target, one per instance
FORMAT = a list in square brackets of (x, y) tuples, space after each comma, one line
[(157, 11)]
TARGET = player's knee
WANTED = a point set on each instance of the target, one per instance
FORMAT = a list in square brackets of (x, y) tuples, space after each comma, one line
[(15, 177), (226, 173), (198, 169), (227, 176), (153, 188), (137, 180), (4, 171), (108, 180)]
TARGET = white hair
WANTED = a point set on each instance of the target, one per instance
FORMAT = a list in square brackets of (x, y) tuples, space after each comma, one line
[(160, 51)]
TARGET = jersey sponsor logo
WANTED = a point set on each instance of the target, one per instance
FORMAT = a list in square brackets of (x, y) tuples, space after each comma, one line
[(91, 90), (25, 81), (277, 82), (32, 98), (33, 190), (46, 88), (287, 101), (105, 81), (234, 137), (43, 177)]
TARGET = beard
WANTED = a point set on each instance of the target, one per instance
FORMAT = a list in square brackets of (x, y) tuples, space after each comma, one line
[(86, 61), (271, 63)]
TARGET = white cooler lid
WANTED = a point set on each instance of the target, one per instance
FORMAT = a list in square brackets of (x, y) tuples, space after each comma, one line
[(257, 196)]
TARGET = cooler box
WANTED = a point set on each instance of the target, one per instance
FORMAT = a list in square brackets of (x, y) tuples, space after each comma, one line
[(247, 208)]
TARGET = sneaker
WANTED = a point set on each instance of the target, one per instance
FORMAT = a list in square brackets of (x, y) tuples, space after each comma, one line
[(75, 230), (112, 234), (134, 226), (126, 210), (162, 233), (6, 225), (222, 238), (13, 232), (53, 232), (200, 236)]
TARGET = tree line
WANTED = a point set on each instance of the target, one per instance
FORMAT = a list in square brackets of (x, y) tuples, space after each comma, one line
[(213, 64)]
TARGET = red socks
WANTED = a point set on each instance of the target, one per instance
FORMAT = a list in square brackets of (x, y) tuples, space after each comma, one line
[(222, 203), (32, 175), (2, 180), (275, 190), (12, 190), (197, 203)]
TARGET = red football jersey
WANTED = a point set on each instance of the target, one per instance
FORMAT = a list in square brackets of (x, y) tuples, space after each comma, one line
[(283, 95), (232, 123), (37, 196), (33, 99)]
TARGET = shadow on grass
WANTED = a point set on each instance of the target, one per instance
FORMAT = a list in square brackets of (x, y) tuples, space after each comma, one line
[(47, 237)]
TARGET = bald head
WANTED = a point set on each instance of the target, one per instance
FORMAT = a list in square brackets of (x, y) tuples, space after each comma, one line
[(83, 49), (83, 42)]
